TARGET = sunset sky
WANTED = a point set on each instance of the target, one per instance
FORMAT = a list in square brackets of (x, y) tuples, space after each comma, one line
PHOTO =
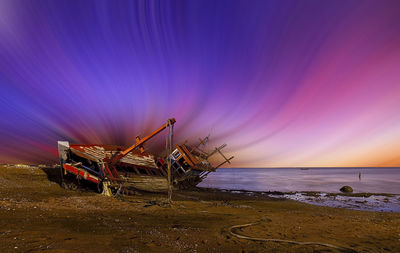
[(283, 83)]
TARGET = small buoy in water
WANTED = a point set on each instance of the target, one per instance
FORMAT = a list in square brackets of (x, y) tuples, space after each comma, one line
[(346, 189)]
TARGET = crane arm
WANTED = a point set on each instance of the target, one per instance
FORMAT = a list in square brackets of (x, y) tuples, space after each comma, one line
[(140, 142)]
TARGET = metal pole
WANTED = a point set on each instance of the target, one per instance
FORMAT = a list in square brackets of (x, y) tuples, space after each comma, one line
[(169, 151)]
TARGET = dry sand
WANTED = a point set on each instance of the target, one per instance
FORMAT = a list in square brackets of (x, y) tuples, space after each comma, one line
[(37, 215)]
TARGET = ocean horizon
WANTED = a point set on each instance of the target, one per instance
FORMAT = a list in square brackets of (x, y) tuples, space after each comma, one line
[(321, 179)]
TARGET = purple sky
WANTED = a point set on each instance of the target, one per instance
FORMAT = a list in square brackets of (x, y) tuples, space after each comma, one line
[(284, 83)]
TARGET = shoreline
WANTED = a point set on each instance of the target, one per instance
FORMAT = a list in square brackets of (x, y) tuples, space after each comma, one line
[(36, 214), (353, 194), (366, 201)]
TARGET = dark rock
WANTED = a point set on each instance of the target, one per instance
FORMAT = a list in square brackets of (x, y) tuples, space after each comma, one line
[(346, 189)]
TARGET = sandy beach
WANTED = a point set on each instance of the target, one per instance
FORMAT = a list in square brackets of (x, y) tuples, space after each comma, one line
[(37, 215)]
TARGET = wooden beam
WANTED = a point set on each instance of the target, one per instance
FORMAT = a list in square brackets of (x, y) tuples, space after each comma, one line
[(140, 142)]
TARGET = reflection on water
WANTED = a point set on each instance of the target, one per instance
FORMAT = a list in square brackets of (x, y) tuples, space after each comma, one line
[(382, 180)]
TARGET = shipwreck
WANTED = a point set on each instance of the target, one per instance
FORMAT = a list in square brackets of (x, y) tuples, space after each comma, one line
[(114, 169)]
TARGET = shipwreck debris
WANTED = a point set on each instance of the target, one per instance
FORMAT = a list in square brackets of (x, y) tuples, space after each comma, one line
[(116, 169)]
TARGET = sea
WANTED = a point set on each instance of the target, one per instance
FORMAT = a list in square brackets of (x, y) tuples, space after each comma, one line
[(380, 181)]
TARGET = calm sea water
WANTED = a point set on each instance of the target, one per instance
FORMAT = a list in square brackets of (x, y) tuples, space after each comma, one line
[(375, 180)]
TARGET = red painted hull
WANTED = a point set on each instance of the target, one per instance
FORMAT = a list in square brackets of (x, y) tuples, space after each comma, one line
[(82, 173)]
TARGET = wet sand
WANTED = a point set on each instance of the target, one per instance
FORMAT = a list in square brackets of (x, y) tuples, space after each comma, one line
[(37, 215)]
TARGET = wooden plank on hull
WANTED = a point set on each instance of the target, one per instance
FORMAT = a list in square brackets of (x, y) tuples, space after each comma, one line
[(147, 183), (99, 153)]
